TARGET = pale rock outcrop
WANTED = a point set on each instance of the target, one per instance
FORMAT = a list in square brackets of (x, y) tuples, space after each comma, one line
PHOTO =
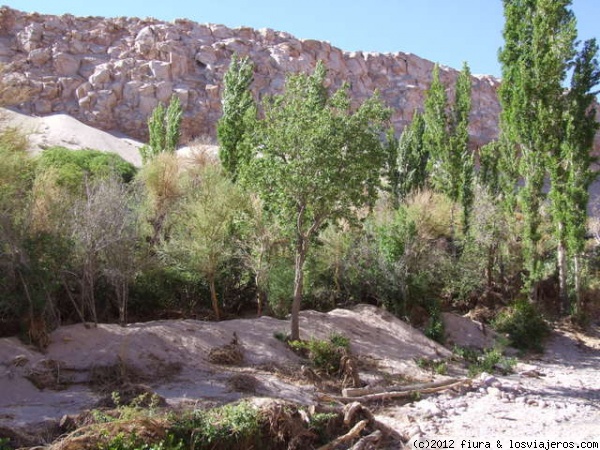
[(111, 73)]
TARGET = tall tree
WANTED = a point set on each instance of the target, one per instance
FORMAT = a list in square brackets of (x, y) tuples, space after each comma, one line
[(239, 112), (572, 173), (435, 137), (200, 238), (539, 119), (164, 129), (461, 162), (446, 137), (316, 161), (411, 158)]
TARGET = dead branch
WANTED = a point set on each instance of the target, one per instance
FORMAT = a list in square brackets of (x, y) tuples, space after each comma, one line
[(352, 434), (357, 392), (387, 395), (368, 441)]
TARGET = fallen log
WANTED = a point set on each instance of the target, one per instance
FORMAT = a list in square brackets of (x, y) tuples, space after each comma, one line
[(387, 395), (356, 392)]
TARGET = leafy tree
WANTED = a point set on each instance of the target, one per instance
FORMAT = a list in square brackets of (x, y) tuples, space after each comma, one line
[(411, 158), (160, 178), (435, 137), (571, 169), (446, 137), (550, 128), (315, 161), (239, 111), (200, 238), (164, 127)]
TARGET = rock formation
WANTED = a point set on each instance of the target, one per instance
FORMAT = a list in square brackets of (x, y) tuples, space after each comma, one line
[(111, 73)]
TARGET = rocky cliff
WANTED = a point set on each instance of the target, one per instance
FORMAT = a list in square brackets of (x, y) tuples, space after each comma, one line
[(111, 73)]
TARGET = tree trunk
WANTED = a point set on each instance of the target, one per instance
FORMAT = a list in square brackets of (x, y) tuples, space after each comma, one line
[(213, 297), (577, 276), (298, 287), (563, 295)]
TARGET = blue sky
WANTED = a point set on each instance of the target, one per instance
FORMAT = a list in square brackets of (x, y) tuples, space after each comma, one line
[(444, 31)]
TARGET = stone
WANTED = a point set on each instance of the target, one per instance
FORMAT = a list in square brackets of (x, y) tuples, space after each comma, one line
[(160, 70), (65, 65)]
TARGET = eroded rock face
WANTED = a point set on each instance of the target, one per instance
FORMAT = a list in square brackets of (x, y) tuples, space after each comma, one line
[(111, 73)]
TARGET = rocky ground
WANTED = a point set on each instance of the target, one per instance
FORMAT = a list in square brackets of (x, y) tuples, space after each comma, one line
[(552, 396)]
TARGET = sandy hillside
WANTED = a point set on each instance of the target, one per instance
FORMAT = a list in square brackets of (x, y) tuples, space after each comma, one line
[(173, 358), (63, 130)]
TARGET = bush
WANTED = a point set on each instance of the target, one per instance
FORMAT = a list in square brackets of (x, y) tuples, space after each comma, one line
[(323, 355), (225, 427), (525, 326), (73, 166), (489, 360)]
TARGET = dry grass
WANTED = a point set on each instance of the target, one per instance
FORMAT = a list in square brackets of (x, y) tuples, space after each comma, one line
[(243, 382), (231, 354)]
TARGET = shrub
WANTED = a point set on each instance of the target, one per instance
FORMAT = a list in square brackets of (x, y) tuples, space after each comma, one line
[(525, 326), (73, 166), (324, 355), (489, 360), (229, 426)]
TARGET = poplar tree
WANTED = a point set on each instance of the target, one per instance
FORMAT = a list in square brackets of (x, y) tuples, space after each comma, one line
[(446, 138), (412, 158), (239, 112), (574, 166), (164, 129), (540, 121)]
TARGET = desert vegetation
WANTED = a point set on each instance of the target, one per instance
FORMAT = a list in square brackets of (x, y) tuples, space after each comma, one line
[(313, 202)]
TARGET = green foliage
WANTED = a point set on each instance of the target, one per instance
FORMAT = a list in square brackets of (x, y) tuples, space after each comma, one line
[(200, 239), (74, 167), (535, 115), (436, 366), (412, 158), (434, 329), (225, 427), (132, 442), (524, 325), (324, 355), (446, 136), (315, 161), (239, 114), (489, 360), (164, 129)]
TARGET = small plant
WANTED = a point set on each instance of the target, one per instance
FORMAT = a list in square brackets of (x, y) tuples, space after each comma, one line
[(490, 360), (525, 326), (320, 422), (436, 366), (229, 426), (280, 336), (435, 327), (324, 355)]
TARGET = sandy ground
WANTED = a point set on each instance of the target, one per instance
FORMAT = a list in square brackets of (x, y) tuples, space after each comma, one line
[(172, 357), (556, 397)]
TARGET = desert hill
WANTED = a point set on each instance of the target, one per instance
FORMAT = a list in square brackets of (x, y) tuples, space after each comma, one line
[(111, 73)]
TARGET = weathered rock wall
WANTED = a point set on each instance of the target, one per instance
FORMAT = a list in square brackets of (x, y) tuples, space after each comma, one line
[(111, 73)]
